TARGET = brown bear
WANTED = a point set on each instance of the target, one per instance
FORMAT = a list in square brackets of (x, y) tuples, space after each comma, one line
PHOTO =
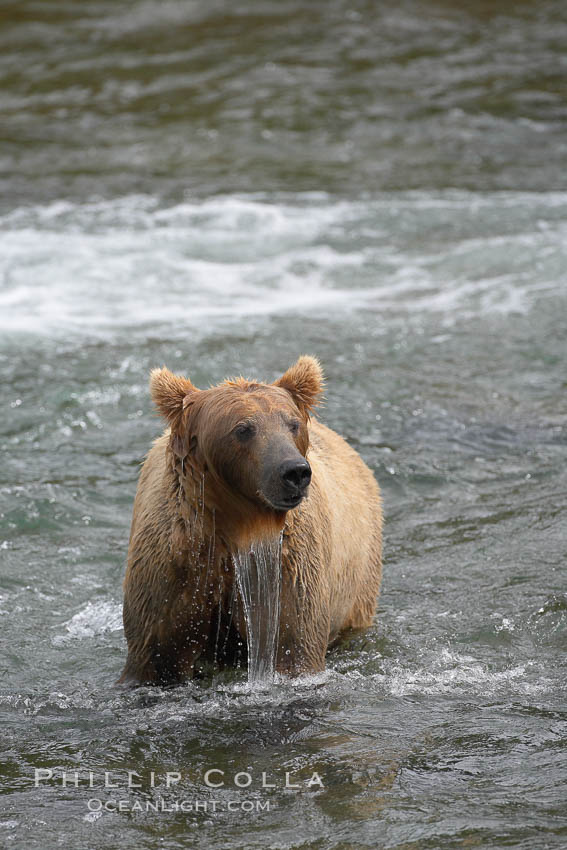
[(241, 463)]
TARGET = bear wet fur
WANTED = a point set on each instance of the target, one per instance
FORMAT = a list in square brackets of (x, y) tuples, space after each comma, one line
[(240, 463)]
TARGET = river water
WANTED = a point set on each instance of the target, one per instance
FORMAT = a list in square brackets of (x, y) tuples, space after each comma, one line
[(222, 187)]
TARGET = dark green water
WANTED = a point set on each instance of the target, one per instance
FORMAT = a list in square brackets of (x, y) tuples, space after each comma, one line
[(221, 188)]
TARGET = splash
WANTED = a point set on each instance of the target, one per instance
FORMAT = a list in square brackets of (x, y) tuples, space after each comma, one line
[(96, 618), (259, 577)]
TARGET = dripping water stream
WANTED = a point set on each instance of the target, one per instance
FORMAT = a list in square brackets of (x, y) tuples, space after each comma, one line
[(259, 575)]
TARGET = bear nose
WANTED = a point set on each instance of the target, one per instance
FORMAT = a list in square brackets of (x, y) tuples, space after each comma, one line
[(296, 474)]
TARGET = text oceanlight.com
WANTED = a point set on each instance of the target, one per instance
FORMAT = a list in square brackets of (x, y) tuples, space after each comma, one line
[(160, 805)]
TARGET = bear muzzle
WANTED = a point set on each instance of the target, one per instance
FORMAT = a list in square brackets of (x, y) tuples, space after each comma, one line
[(296, 477), (288, 484)]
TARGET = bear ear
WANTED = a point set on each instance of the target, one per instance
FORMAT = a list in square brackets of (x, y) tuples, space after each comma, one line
[(168, 392), (304, 381)]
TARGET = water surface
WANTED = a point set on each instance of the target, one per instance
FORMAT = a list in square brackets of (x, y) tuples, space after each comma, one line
[(221, 189)]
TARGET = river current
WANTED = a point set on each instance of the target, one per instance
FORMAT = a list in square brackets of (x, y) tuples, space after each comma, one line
[(221, 188)]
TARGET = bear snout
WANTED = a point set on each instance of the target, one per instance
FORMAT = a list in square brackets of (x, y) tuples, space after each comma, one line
[(295, 476), (286, 482), (293, 479)]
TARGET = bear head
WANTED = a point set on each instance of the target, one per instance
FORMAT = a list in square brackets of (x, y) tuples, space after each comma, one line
[(249, 438)]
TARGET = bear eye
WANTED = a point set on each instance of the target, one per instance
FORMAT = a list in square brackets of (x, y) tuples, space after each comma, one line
[(245, 431), (294, 426)]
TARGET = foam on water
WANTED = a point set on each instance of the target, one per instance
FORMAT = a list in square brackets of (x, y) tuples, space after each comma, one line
[(109, 265), (96, 618), (449, 672), (443, 674)]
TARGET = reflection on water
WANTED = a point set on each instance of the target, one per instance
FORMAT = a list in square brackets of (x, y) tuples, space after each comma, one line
[(221, 188)]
